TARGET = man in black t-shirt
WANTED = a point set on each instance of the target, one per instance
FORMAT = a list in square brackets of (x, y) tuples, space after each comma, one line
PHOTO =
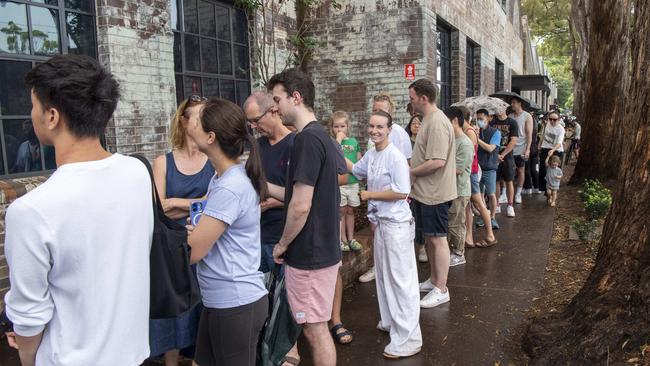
[(506, 170), (275, 144), (309, 245)]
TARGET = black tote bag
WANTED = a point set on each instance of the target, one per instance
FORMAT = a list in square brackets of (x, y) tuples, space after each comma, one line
[(173, 287)]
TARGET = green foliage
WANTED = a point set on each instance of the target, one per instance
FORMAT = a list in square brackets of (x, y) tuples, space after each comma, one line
[(559, 67), (585, 229), (597, 199), (549, 26)]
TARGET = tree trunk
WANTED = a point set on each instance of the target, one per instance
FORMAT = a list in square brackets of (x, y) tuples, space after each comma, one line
[(604, 85), (578, 35), (610, 316)]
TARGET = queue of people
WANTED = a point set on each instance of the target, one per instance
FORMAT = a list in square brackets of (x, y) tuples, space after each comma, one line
[(78, 245)]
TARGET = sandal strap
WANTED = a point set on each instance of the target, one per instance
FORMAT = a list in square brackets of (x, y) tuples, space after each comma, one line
[(340, 335), (336, 327)]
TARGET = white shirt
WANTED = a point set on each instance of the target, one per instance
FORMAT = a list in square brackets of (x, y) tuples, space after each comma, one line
[(400, 139), (386, 170), (78, 253), (553, 136)]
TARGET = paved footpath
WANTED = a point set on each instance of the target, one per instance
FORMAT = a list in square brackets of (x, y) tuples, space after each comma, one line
[(489, 295)]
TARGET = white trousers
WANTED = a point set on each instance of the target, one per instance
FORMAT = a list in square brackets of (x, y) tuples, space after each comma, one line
[(398, 292)]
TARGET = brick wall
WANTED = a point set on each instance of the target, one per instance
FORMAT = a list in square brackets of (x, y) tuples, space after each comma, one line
[(273, 27), (365, 54), (11, 189), (136, 44), (367, 43)]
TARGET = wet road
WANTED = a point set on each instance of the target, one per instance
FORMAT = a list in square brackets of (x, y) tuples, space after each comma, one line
[(488, 297)]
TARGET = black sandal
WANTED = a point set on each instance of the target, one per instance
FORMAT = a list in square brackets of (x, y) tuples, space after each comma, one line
[(339, 336)]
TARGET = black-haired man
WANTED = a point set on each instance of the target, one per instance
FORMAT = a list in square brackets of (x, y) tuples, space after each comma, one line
[(310, 241), (78, 245), (464, 159)]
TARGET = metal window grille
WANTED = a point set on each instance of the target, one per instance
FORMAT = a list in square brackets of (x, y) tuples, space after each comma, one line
[(211, 50), (30, 33)]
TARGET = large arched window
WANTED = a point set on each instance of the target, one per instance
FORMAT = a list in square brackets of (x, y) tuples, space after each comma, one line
[(210, 50), (30, 33)]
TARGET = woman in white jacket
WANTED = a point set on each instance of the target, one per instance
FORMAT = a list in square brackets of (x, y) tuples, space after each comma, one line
[(387, 172)]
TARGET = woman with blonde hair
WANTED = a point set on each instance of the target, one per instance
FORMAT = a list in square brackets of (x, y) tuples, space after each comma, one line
[(182, 176)]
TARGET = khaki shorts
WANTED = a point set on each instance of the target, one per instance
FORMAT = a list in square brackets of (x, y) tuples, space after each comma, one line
[(311, 293), (350, 195)]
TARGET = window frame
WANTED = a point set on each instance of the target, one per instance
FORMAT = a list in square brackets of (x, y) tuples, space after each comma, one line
[(499, 76), (443, 62), (180, 32), (33, 59), (470, 68)]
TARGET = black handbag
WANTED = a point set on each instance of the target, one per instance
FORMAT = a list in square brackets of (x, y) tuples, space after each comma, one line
[(173, 285)]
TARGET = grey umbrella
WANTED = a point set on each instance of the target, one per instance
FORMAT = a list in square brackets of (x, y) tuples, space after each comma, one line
[(508, 96), (493, 105)]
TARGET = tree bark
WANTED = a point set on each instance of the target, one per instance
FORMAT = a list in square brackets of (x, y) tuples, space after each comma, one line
[(604, 84), (578, 35), (610, 316)]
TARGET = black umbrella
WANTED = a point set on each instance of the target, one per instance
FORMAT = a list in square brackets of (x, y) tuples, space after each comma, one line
[(508, 96), (534, 107)]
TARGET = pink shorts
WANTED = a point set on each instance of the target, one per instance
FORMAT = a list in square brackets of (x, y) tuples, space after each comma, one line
[(311, 293)]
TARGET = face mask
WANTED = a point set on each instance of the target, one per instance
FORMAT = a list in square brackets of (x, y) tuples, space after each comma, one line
[(481, 123)]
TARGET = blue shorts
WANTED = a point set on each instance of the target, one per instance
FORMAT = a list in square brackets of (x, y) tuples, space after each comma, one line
[(432, 220), (476, 187), (489, 181)]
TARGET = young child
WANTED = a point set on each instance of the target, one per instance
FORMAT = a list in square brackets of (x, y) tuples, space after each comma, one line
[(340, 130), (553, 177)]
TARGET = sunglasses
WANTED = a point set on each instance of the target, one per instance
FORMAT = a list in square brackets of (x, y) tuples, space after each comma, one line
[(196, 98), (256, 120), (553, 119)]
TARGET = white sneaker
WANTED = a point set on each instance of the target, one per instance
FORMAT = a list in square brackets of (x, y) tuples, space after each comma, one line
[(456, 260), (518, 198), (511, 211), (540, 192), (422, 255), (503, 199), (368, 276), (434, 298), (497, 210), (426, 286)]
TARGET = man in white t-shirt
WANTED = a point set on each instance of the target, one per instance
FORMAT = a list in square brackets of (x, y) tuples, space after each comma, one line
[(78, 245), (398, 136)]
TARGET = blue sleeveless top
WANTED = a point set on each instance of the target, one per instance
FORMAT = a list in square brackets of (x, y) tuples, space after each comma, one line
[(179, 185)]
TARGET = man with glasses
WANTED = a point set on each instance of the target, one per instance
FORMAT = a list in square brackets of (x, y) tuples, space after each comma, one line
[(276, 142)]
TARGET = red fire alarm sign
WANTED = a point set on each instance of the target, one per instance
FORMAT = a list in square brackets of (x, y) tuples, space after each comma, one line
[(409, 71)]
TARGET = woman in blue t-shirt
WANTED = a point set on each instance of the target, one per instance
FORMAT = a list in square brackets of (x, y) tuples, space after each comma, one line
[(226, 241)]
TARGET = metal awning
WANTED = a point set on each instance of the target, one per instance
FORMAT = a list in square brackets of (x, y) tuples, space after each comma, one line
[(530, 82)]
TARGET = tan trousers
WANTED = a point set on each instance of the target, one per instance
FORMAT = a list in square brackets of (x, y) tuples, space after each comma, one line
[(457, 228)]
